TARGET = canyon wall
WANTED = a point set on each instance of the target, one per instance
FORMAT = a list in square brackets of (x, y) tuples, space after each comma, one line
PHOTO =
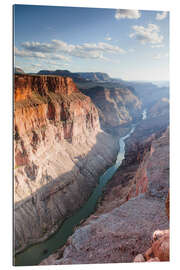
[(59, 153), (132, 208), (117, 107)]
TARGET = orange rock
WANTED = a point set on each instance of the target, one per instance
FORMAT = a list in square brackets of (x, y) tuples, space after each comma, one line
[(40, 99), (160, 246), (160, 233), (25, 85), (139, 258)]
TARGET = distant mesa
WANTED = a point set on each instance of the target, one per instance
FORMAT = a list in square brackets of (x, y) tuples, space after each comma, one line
[(18, 71), (95, 76), (58, 72), (92, 76), (76, 76)]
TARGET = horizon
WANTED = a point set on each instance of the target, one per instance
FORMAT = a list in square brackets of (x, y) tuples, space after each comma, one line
[(30, 73), (131, 45)]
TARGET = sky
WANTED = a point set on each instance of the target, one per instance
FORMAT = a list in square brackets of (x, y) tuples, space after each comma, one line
[(126, 44)]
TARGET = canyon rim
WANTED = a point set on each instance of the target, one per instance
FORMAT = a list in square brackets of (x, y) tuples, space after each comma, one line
[(90, 135)]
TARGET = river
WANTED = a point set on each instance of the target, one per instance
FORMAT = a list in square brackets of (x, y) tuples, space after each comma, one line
[(36, 253)]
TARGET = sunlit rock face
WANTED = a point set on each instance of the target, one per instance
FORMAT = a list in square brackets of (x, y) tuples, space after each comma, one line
[(134, 204), (129, 214), (152, 176), (59, 152)]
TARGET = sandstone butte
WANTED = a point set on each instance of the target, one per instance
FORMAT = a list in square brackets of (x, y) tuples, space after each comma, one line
[(59, 153)]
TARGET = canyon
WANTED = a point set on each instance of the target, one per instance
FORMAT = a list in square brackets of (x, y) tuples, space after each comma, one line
[(59, 152), (132, 208), (117, 106), (66, 134)]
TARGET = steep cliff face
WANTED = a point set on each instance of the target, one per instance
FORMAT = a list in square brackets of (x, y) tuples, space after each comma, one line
[(117, 107), (132, 209), (151, 178), (59, 152)]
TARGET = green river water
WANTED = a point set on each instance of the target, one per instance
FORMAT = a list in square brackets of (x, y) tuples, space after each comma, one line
[(36, 253)]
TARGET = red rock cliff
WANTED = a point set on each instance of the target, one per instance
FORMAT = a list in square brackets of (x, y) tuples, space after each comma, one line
[(59, 152), (24, 86), (42, 99)]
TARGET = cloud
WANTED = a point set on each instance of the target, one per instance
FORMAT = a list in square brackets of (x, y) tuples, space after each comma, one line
[(91, 50), (37, 47), (107, 37), (157, 46), (60, 57), (127, 14), (24, 53), (161, 16), (149, 34), (35, 65), (160, 56), (39, 55), (131, 50), (60, 50)]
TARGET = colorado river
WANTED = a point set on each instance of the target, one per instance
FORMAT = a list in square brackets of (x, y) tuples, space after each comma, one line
[(36, 253)]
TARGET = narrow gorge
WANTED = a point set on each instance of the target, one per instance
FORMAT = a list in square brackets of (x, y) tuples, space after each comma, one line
[(60, 150), (91, 128), (64, 140), (130, 212)]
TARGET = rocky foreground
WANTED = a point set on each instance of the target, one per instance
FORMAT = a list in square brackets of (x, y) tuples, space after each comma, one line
[(132, 209), (59, 153)]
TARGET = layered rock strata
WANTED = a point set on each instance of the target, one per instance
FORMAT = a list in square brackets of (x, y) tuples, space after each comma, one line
[(117, 107), (123, 225), (59, 152)]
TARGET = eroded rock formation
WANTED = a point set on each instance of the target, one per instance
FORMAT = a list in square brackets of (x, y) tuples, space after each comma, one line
[(129, 213), (59, 152), (117, 107)]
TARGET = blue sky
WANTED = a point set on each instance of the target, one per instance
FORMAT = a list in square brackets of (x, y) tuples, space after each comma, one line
[(127, 44)]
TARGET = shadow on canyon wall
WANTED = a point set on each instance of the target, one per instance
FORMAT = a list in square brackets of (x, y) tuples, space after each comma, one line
[(46, 209)]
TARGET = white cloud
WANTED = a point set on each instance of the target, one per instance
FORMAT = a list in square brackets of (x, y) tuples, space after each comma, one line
[(60, 57), (149, 34), (91, 49), (131, 50), (108, 38), (24, 53), (161, 16), (60, 50), (35, 65), (37, 54), (127, 14), (157, 46), (160, 56), (37, 47)]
